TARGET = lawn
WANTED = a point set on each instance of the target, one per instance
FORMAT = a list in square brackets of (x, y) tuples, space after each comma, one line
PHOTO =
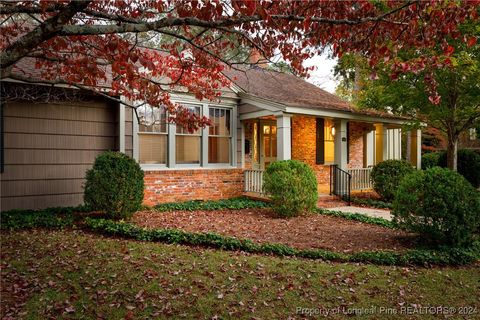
[(73, 274)]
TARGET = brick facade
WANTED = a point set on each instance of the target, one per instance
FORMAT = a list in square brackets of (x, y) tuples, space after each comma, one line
[(196, 184), (356, 144), (304, 145), (213, 184)]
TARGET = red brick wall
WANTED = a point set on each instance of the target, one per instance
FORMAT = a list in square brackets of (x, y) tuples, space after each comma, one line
[(304, 146), (199, 184), (357, 130)]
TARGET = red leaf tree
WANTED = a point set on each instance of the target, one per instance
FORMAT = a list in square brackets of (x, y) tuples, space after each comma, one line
[(103, 45)]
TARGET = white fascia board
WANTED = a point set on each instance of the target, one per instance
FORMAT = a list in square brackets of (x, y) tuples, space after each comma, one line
[(256, 114), (262, 103), (343, 115), (186, 97)]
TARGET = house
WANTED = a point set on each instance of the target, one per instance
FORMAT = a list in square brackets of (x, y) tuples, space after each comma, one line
[(262, 117)]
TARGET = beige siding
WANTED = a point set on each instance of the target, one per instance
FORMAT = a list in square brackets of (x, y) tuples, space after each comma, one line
[(48, 148)]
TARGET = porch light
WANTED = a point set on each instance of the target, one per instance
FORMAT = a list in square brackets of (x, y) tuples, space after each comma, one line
[(332, 130)]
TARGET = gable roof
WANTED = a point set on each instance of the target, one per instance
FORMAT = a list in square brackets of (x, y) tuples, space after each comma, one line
[(292, 91)]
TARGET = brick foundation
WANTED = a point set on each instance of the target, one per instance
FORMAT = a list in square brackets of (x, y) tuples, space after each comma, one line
[(199, 184)]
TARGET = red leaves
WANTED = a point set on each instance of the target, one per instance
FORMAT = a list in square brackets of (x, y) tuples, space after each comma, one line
[(434, 99), (471, 41), (449, 50), (295, 29)]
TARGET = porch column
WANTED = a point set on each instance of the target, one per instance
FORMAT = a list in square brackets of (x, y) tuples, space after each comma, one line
[(284, 137), (381, 150), (414, 156), (340, 144)]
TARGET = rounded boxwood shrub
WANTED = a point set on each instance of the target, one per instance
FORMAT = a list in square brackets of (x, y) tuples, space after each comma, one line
[(114, 185), (292, 187), (468, 165), (439, 204), (430, 160), (387, 175)]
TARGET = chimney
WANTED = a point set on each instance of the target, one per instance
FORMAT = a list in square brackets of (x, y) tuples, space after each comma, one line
[(257, 58)]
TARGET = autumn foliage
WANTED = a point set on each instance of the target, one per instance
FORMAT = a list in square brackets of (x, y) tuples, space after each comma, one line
[(104, 45)]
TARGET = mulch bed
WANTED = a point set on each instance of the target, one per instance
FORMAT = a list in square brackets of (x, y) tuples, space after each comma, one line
[(304, 232)]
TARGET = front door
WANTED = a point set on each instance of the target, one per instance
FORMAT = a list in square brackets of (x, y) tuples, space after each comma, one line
[(268, 144)]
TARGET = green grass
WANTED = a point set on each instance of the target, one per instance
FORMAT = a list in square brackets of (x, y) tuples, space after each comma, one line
[(70, 274)]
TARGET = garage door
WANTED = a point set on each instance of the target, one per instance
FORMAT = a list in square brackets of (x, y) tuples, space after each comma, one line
[(48, 148)]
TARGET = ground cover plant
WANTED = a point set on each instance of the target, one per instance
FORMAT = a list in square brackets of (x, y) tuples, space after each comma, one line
[(72, 274)]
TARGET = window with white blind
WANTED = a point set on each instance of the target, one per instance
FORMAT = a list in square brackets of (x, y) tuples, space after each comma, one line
[(152, 135), (188, 144), (220, 135), (160, 144)]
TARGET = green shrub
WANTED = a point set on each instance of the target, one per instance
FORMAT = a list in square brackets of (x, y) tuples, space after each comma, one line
[(439, 204), (430, 160), (292, 187), (468, 165), (114, 185), (386, 177)]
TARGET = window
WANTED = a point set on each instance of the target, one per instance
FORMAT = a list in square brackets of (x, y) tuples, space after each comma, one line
[(152, 137), (325, 141), (188, 144), (219, 135), (163, 144), (473, 134)]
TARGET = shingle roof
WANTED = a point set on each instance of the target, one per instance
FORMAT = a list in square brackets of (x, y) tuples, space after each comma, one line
[(282, 88), (292, 91)]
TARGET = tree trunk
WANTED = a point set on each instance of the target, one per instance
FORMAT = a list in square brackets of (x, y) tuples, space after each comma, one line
[(452, 149)]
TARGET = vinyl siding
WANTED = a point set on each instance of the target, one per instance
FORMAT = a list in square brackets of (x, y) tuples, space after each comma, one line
[(49, 147)]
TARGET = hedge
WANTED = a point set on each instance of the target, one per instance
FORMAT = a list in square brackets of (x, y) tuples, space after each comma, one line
[(233, 204), (442, 256)]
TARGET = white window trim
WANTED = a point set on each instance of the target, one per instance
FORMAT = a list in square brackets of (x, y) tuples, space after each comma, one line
[(204, 165)]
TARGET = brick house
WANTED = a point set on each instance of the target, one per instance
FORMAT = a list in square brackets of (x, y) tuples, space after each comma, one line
[(262, 117)]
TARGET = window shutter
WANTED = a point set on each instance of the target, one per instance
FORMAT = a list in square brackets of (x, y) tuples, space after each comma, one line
[(320, 141), (348, 142)]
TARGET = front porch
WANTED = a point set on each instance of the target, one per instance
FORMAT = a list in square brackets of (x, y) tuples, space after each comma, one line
[(341, 151)]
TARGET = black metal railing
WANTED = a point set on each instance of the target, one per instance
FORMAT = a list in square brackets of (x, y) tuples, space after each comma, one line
[(340, 183)]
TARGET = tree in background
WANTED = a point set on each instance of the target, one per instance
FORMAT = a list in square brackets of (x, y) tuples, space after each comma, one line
[(100, 44), (445, 94)]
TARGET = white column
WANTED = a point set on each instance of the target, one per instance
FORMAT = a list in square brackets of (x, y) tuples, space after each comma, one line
[(415, 156), (340, 144), (284, 137)]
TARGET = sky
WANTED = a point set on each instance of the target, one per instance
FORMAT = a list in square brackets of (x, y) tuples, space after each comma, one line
[(323, 75)]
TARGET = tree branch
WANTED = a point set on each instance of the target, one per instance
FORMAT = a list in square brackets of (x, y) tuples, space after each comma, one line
[(41, 33)]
